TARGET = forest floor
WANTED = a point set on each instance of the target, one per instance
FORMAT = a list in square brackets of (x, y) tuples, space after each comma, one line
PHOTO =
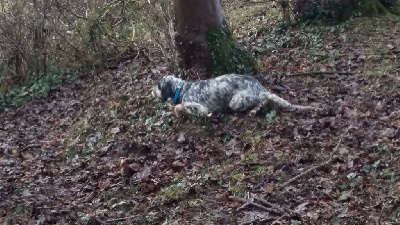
[(103, 151)]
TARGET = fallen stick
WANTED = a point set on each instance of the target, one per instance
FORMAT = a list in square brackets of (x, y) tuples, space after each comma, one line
[(260, 163), (120, 219), (277, 220), (247, 202), (31, 146), (318, 73), (243, 206), (264, 202), (311, 169)]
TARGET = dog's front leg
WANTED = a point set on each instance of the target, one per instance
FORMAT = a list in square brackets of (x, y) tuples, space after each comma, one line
[(178, 110), (179, 113), (196, 109), (189, 108)]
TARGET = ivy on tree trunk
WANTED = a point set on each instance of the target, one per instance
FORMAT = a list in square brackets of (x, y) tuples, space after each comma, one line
[(204, 41)]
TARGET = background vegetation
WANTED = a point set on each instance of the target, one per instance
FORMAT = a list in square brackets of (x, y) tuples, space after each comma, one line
[(37, 35)]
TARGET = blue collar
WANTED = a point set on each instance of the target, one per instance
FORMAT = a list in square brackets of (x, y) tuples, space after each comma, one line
[(177, 92)]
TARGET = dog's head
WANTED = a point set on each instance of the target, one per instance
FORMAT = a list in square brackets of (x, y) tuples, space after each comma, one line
[(166, 88)]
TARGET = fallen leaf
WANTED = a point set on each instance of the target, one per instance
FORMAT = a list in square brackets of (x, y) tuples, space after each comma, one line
[(181, 137), (301, 207), (115, 130), (269, 189), (388, 133)]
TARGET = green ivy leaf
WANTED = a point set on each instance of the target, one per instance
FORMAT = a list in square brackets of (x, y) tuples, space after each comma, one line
[(270, 117), (124, 98), (18, 209), (295, 222)]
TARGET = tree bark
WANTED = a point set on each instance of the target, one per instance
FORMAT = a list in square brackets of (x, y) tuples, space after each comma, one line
[(204, 41)]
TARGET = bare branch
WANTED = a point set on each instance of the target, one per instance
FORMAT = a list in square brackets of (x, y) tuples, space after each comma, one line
[(319, 73), (312, 168)]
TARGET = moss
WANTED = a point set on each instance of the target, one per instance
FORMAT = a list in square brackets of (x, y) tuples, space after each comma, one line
[(394, 8), (362, 8), (226, 55), (339, 12), (176, 191)]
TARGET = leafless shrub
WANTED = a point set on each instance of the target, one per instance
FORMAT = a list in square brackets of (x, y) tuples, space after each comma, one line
[(37, 34)]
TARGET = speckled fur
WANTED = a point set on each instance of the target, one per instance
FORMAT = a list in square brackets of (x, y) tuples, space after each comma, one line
[(218, 95)]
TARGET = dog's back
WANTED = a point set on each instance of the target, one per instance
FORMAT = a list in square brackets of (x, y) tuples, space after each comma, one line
[(216, 93)]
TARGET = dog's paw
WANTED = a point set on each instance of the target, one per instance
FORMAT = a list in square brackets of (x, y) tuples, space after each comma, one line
[(171, 107), (178, 110), (155, 92)]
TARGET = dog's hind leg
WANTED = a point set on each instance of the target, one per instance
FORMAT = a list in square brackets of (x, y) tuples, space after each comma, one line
[(279, 103), (262, 101), (243, 101)]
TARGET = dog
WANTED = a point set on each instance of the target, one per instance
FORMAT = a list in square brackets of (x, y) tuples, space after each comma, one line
[(231, 92)]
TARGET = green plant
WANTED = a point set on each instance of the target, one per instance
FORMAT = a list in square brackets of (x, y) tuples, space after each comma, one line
[(354, 179), (156, 121), (270, 117), (295, 222), (371, 166), (237, 190), (175, 191), (227, 137), (70, 152), (209, 172), (73, 151), (235, 181), (250, 157), (339, 11), (35, 86), (18, 209)]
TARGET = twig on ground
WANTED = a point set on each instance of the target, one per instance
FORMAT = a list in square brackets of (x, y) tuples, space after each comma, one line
[(277, 220), (56, 207), (312, 168), (254, 2), (260, 163), (30, 146), (120, 219), (265, 202), (243, 206), (248, 202), (318, 73)]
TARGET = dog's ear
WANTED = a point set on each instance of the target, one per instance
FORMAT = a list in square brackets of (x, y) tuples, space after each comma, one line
[(165, 87)]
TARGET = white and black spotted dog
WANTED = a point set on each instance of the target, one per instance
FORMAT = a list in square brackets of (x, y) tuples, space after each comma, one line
[(217, 95)]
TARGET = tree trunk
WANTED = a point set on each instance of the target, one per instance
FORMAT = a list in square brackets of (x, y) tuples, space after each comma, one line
[(205, 42)]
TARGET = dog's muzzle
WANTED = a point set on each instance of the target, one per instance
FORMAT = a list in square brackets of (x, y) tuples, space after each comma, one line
[(155, 92)]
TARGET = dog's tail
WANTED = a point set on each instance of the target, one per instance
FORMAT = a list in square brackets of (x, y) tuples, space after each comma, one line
[(284, 105)]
